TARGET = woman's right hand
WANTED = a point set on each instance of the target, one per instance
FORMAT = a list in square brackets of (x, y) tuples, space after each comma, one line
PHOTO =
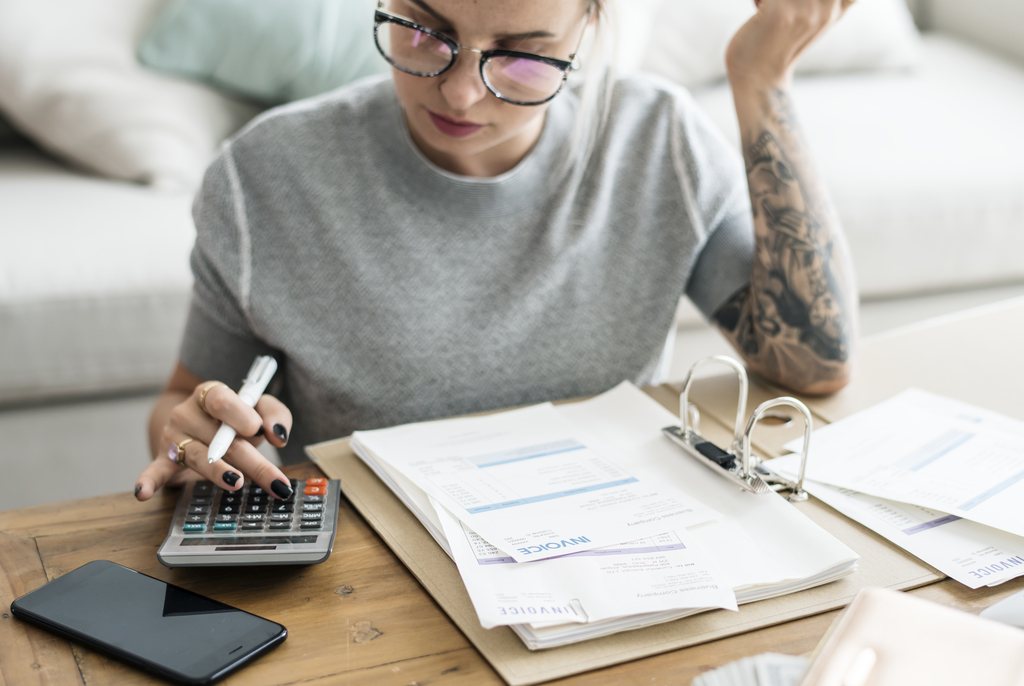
[(191, 423)]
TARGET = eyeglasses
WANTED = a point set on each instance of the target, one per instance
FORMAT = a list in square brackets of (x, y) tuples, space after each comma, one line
[(519, 78)]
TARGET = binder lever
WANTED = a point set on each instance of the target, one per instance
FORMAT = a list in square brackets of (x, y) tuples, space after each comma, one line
[(738, 463), (725, 462)]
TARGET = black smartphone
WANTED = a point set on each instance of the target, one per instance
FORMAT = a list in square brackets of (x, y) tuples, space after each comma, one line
[(154, 625)]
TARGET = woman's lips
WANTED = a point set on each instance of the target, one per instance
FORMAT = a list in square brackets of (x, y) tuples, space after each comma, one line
[(454, 128)]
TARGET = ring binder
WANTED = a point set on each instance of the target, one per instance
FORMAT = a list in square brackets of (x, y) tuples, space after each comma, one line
[(737, 463)]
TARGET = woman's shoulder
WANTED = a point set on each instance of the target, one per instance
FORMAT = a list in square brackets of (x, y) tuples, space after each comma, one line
[(337, 112), (650, 95)]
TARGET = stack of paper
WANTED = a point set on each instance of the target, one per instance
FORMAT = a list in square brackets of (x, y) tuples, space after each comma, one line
[(938, 477), (578, 521), (767, 669)]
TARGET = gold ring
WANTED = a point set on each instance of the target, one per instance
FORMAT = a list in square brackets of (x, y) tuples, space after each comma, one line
[(177, 451), (202, 394)]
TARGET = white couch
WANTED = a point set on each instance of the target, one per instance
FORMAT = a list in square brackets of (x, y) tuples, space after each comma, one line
[(924, 168)]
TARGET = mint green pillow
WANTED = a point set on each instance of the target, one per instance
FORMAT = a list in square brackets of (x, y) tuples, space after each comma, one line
[(272, 51)]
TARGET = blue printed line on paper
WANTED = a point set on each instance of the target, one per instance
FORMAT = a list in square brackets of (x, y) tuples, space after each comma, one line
[(528, 453), (549, 496), (925, 526), (930, 452), (598, 552), (992, 492)]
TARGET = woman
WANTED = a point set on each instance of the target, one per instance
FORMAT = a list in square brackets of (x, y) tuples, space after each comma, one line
[(469, 234)]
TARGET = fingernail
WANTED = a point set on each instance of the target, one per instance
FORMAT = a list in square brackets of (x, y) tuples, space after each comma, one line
[(259, 432), (138, 489), (281, 432), (230, 478), (281, 489)]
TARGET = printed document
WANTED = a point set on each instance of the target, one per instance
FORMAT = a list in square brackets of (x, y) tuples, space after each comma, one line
[(531, 483), (929, 451), (974, 554), (647, 575), (753, 546)]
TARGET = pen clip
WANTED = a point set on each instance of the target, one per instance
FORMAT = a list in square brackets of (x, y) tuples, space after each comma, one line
[(263, 367)]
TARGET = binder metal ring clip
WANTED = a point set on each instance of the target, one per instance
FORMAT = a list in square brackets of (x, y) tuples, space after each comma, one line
[(737, 463)]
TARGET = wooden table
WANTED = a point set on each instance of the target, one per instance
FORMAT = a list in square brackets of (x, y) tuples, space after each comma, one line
[(358, 618)]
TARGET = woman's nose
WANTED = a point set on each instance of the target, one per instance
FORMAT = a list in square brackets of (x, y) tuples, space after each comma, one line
[(462, 85)]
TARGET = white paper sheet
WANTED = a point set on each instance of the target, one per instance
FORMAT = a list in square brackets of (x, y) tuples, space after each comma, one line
[(647, 575), (974, 554), (531, 483), (929, 451)]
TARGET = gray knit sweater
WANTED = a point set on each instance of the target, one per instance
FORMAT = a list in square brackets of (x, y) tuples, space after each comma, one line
[(391, 290)]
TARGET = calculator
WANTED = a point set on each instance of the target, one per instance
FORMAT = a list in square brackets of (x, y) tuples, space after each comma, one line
[(212, 527)]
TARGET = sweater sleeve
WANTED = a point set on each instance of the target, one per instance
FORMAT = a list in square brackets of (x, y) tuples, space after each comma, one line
[(712, 171), (219, 342)]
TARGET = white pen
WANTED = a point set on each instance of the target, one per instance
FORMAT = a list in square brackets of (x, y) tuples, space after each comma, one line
[(256, 381)]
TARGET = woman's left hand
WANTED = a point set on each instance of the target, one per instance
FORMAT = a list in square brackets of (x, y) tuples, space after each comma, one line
[(765, 48)]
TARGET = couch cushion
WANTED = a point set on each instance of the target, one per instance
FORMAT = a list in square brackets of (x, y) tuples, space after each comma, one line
[(94, 280), (273, 51), (69, 80), (924, 168), (690, 37)]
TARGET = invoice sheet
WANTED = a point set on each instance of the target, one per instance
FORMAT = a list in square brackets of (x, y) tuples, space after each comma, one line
[(663, 572), (974, 554), (929, 451), (531, 483)]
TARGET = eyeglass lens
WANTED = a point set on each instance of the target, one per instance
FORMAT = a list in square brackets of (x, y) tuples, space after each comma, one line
[(519, 79)]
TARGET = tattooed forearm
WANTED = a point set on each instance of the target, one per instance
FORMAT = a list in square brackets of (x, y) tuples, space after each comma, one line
[(794, 322)]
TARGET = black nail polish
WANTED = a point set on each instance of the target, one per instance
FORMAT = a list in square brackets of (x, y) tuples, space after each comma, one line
[(281, 432), (138, 489), (230, 478), (281, 489), (259, 432)]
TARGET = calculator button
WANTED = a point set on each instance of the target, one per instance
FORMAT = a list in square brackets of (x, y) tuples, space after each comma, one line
[(313, 499), (193, 528), (203, 500), (202, 488), (317, 482), (225, 518), (224, 526), (257, 491), (196, 519), (250, 517), (254, 508), (198, 509), (282, 507), (228, 509), (252, 526), (312, 507), (280, 525), (231, 498), (311, 525), (306, 516), (281, 517), (314, 490)]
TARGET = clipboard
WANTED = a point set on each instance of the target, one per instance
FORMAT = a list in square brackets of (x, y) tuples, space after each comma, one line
[(881, 564)]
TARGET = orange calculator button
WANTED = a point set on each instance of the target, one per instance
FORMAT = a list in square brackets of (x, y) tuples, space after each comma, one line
[(314, 490), (316, 482)]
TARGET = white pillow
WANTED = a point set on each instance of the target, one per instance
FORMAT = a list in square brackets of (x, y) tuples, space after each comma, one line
[(689, 39), (69, 80)]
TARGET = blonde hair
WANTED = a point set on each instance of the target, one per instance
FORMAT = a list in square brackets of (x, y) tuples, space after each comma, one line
[(598, 74)]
